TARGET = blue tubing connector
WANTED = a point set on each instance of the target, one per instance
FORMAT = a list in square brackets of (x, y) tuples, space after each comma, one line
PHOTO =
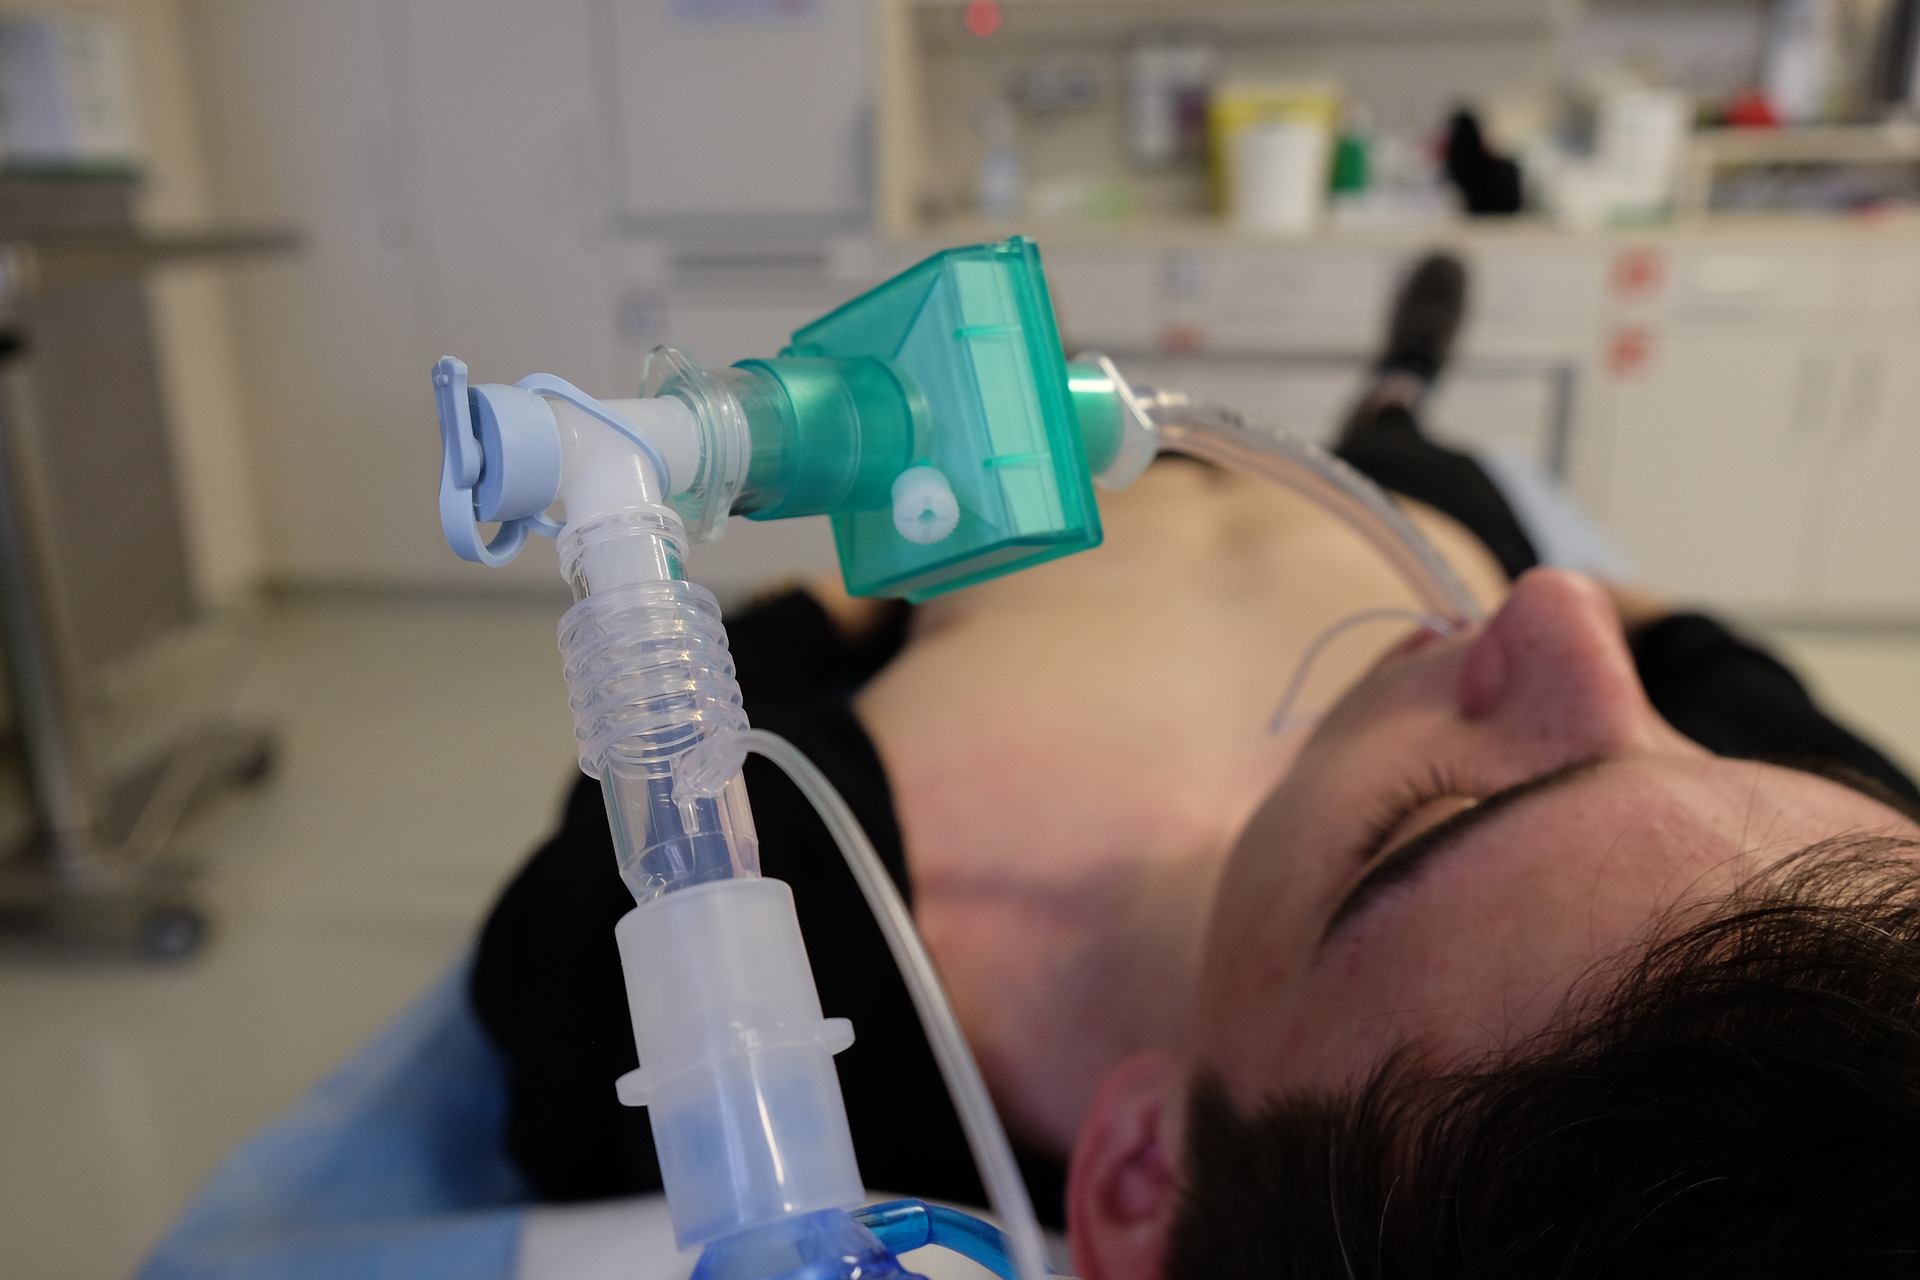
[(913, 1224)]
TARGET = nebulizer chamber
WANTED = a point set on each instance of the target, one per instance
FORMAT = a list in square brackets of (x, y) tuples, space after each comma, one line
[(937, 424)]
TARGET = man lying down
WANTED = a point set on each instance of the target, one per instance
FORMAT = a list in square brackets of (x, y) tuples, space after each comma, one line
[(1580, 943)]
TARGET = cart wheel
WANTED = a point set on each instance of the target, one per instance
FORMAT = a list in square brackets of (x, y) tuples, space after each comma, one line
[(172, 933)]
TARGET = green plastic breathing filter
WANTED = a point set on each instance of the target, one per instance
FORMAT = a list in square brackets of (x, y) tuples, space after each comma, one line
[(954, 365)]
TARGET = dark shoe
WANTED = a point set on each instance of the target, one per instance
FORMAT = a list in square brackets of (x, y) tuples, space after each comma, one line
[(1489, 184), (1426, 318)]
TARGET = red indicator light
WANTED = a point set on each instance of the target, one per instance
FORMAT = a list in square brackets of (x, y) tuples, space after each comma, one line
[(982, 17)]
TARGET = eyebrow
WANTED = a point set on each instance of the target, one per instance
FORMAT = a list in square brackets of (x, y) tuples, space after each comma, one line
[(1407, 859)]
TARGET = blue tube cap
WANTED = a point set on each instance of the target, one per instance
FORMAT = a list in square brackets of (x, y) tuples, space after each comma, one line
[(520, 448)]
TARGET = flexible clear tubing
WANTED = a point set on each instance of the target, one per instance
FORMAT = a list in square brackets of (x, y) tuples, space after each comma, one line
[(1215, 434), (649, 678)]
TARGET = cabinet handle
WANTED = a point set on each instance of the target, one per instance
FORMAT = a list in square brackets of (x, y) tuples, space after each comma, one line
[(386, 188), (1869, 385), (1810, 400)]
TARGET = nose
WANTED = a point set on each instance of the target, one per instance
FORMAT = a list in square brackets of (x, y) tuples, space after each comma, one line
[(1552, 668)]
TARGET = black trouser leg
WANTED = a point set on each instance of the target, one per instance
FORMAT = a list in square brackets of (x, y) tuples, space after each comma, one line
[(1385, 444)]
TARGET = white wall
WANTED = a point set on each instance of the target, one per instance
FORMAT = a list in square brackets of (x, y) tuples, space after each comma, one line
[(448, 161), (316, 112)]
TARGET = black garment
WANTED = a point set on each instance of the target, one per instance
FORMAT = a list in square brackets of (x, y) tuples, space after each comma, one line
[(1736, 699), (546, 981), (1386, 445)]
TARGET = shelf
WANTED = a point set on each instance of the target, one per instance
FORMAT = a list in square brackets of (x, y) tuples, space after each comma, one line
[(1209, 233), (54, 258), (1090, 23), (1712, 150), (1835, 144)]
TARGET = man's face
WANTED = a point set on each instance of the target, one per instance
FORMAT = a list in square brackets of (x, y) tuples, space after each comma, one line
[(1474, 826)]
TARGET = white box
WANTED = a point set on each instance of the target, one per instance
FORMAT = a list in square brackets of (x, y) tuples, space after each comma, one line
[(66, 93)]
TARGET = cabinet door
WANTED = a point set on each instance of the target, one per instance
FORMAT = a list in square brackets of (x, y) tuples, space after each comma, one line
[(308, 122), (1715, 440), (1324, 299), (736, 114), (1870, 548), (518, 250), (1105, 298)]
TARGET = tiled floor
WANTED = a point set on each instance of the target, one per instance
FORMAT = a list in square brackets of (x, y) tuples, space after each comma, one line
[(424, 746), (422, 752)]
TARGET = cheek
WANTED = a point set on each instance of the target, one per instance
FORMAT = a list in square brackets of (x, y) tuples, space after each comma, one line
[(1268, 881), (1392, 987), (1328, 1024)]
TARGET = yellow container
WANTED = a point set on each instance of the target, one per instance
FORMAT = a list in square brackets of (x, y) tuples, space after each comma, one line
[(1239, 105)]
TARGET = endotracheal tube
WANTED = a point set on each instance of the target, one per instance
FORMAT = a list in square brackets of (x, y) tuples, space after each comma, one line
[(936, 422), (736, 1056), (648, 678)]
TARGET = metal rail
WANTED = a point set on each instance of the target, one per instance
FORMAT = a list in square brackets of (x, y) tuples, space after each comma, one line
[(89, 877)]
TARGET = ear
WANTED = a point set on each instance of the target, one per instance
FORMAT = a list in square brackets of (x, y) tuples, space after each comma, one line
[(1123, 1182)]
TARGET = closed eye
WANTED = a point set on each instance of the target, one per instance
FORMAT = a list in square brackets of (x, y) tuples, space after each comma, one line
[(1415, 854)]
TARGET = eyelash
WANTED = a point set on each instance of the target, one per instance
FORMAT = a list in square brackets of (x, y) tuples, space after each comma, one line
[(1437, 783)]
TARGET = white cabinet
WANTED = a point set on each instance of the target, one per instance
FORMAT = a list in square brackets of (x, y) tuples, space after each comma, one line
[(730, 115), (1713, 444), (471, 180), (309, 122), (1868, 542), (1727, 369), (1106, 298), (1319, 298), (512, 188), (1759, 427)]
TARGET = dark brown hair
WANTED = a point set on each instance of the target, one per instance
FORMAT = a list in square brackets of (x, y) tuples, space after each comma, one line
[(1743, 1101)]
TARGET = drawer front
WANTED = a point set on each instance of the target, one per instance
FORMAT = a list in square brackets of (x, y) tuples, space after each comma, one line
[(1316, 299), (1754, 285), (1106, 298)]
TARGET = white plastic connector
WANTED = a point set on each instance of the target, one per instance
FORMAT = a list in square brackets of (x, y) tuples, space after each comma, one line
[(736, 1061), (1139, 434), (924, 508), (672, 428), (605, 474)]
